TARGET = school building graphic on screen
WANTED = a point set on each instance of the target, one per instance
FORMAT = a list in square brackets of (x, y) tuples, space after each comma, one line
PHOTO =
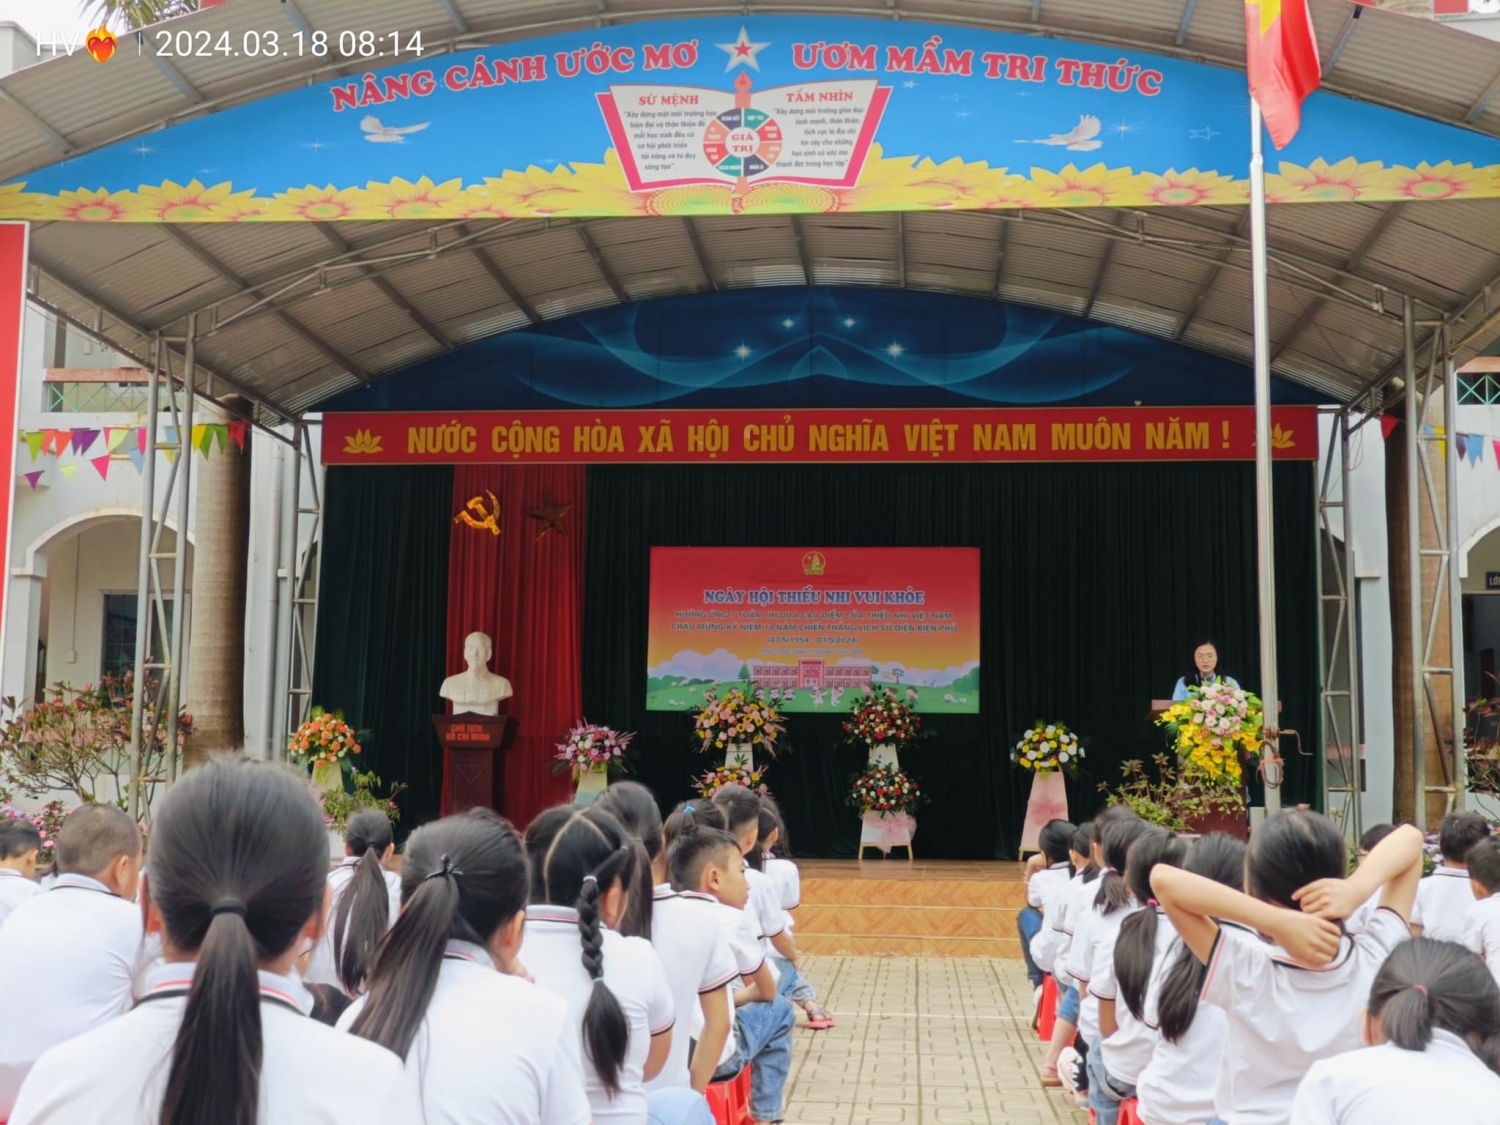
[(811, 674)]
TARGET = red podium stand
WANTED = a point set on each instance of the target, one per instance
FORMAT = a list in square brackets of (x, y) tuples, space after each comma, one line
[(473, 770)]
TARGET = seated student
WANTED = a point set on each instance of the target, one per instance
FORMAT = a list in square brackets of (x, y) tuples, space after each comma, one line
[(480, 1043), (619, 1002), (784, 877), (1074, 961), (693, 949), (707, 861), (1433, 1028), (1361, 918), (239, 858), (68, 956), (1059, 929), (20, 843), (1444, 898), (1047, 874), (1281, 1017), (1113, 905), (634, 806), (1122, 966), (1177, 1086), (741, 809), (364, 899), (1482, 923)]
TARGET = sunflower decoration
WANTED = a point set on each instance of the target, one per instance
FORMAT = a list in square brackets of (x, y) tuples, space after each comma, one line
[(1445, 180), (192, 202), (402, 199), (1096, 186), (1322, 182), (316, 204), (1192, 188)]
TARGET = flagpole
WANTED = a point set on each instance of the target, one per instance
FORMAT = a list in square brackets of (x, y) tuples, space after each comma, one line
[(1264, 539)]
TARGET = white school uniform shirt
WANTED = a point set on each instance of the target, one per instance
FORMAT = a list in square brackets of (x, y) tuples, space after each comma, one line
[(1388, 1086), (1044, 892), (322, 968), (493, 1049), (1356, 922), (788, 880), (310, 1074), (1060, 922), (695, 954), (1076, 961), (15, 889), (1282, 1017), (1482, 932), (765, 900), (1101, 970), (1129, 1049), (1443, 899), (68, 960), (553, 954), (1178, 1085), (741, 935)]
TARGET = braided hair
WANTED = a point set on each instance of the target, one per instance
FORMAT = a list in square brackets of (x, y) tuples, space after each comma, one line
[(577, 857)]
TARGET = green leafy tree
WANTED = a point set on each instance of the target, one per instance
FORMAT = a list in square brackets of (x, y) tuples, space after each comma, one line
[(745, 673), (139, 13)]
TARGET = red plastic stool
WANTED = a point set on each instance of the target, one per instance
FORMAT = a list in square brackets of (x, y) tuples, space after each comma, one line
[(1047, 1014), (1129, 1114), (730, 1100)]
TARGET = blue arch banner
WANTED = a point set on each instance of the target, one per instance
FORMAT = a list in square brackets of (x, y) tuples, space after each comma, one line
[(815, 348), (716, 116)]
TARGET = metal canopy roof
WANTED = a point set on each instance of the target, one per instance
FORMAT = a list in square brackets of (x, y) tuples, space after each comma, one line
[(297, 312)]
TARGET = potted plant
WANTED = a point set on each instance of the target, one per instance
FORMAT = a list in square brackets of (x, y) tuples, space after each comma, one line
[(1215, 731), (362, 792), (589, 751)]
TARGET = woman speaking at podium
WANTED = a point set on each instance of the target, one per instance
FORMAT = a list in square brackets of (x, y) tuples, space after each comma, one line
[(1205, 671)]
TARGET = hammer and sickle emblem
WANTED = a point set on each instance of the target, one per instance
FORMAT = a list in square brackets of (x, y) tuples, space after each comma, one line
[(482, 519)]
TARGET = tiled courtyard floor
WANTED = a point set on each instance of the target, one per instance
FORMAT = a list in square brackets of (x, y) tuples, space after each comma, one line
[(935, 1041)]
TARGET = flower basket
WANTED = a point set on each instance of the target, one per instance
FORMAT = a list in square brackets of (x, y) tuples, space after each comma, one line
[(1048, 748), (884, 791), (737, 720), (589, 748), (735, 773), (325, 742), (1211, 730), (883, 720)]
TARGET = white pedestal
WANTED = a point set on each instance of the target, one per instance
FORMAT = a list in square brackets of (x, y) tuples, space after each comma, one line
[(884, 755), (335, 845), (740, 754), (886, 831)]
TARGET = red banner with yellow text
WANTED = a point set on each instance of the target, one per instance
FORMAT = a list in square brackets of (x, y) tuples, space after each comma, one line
[(1210, 433)]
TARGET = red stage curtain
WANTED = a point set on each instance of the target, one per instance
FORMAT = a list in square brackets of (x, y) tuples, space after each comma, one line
[(527, 594)]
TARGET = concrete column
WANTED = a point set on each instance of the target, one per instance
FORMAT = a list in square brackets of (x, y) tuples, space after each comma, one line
[(23, 623)]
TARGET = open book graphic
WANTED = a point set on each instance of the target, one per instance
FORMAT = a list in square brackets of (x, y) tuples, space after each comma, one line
[(808, 133)]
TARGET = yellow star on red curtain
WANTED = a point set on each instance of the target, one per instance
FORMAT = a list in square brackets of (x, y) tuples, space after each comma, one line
[(549, 516)]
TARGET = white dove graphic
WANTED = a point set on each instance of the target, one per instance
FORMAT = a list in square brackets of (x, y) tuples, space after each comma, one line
[(376, 133), (1082, 138)]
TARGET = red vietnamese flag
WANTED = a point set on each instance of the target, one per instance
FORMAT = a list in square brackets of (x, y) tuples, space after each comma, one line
[(1281, 55)]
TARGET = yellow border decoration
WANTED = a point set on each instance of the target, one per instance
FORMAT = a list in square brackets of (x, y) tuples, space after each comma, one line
[(887, 183)]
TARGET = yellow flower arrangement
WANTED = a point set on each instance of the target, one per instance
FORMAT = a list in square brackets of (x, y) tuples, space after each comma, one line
[(1211, 729)]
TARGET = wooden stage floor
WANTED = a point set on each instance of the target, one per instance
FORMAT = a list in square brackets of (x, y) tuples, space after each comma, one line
[(923, 908)]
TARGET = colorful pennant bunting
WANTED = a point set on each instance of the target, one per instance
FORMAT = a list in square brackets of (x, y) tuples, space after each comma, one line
[(67, 471), (1388, 422), (33, 442), (33, 479), (102, 465), (83, 439), (137, 458), (237, 431), (114, 437)]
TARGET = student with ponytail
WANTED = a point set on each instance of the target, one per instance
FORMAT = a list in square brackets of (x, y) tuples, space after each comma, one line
[(1432, 1026), (634, 806), (619, 1002), (236, 883), (480, 1042), (1059, 926), (1281, 1016), (364, 899), (1122, 965), (1113, 903), (1177, 1086)]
